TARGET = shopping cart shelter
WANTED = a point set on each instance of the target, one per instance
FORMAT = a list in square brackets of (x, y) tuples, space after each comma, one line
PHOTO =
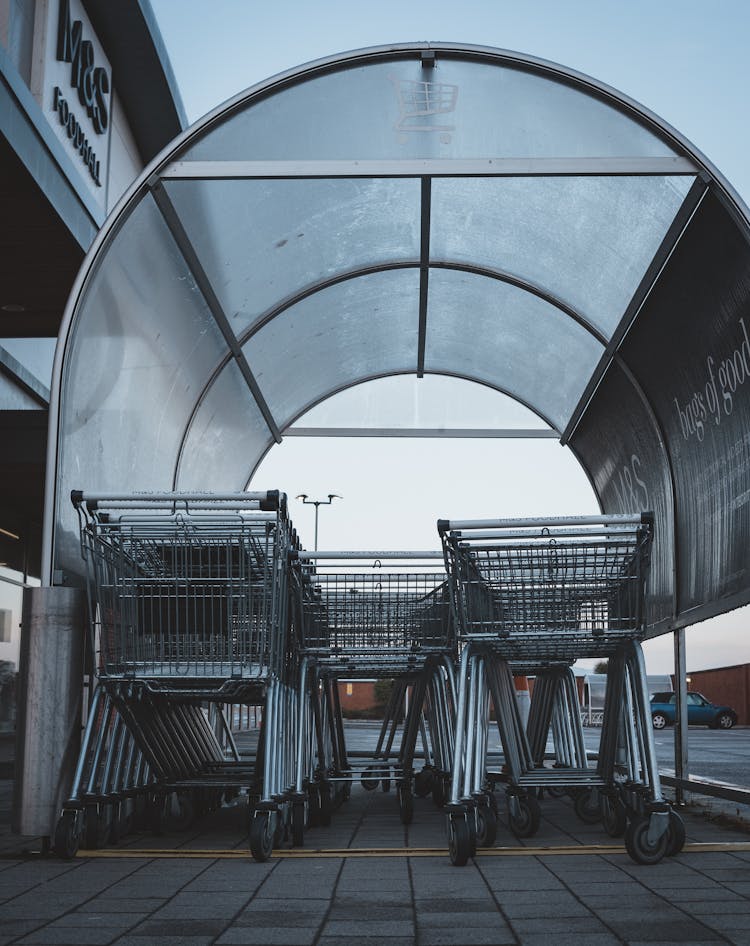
[(421, 209)]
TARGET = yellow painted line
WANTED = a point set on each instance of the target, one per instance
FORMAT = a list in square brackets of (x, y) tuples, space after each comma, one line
[(703, 847)]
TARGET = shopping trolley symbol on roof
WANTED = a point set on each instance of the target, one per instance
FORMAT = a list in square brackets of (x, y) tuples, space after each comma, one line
[(420, 102)]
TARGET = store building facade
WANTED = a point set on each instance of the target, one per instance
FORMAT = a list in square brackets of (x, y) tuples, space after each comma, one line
[(87, 99)]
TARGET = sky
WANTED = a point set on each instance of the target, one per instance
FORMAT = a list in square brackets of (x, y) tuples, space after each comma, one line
[(684, 60)]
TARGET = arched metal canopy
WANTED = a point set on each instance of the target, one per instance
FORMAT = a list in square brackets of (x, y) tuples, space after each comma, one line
[(418, 209)]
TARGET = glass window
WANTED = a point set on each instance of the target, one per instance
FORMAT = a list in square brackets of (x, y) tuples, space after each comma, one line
[(491, 331), (359, 329), (143, 347), (432, 401), (587, 241), (262, 241), (226, 436)]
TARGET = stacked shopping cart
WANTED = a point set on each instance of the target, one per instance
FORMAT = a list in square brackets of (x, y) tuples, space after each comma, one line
[(536, 595), (383, 615), (189, 614), (202, 604)]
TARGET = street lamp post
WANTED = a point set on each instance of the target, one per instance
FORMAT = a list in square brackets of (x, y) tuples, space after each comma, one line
[(318, 503)]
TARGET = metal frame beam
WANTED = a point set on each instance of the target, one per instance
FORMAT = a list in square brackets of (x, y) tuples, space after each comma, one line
[(458, 433), (424, 271), (483, 167), (184, 244)]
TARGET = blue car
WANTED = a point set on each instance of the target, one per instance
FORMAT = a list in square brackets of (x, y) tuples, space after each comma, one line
[(701, 712)]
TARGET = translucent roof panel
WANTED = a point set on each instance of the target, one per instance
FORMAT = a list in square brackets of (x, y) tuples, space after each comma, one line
[(586, 240), (362, 328), (490, 331), (139, 354), (397, 109), (261, 241), (226, 429), (435, 401)]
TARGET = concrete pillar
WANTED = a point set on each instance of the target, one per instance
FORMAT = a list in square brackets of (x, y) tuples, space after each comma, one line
[(48, 726)]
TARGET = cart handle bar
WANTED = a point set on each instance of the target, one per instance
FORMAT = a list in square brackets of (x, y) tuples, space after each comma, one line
[(269, 500), (314, 556), (643, 518)]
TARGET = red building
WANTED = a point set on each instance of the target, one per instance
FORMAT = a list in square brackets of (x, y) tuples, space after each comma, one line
[(725, 685)]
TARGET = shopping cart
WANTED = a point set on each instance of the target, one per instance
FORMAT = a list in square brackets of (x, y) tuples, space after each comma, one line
[(188, 603), (363, 620), (535, 591)]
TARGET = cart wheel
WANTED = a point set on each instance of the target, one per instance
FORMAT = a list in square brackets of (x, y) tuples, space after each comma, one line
[(423, 783), (439, 792), (114, 823), (556, 791), (91, 828), (524, 820), (675, 834), (261, 835), (638, 845), (155, 809), (326, 806), (486, 826), (459, 840), (66, 835), (298, 824), (313, 807), (614, 816), (586, 804), (369, 779), (405, 805), (179, 811), (386, 782)]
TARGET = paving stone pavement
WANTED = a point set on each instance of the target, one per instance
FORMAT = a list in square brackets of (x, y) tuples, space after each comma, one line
[(501, 897)]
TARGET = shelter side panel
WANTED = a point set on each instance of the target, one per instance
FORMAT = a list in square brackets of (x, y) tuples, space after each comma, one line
[(619, 446), (690, 350)]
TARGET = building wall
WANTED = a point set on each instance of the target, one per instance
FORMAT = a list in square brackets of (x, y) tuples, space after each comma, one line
[(361, 697), (727, 685), (125, 162)]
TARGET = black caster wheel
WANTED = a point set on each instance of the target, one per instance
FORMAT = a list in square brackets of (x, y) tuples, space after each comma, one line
[(486, 822), (91, 837), (640, 848), (459, 840), (586, 804), (524, 815), (423, 783), (262, 829), (298, 824), (179, 811), (67, 836), (313, 807), (326, 805), (405, 805), (614, 816), (369, 779), (675, 834)]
